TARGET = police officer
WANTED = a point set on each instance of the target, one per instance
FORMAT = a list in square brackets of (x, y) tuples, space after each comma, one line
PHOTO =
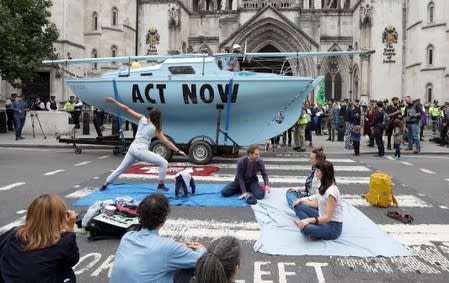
[(52, 105), (300, 128), (10, 111), (435, 113)]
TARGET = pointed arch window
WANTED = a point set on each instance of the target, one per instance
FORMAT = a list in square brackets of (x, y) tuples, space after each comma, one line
[(95, 55), (114, 16), (430, 12), (429, 93), (114, 51), (94, 21), (430, 55)]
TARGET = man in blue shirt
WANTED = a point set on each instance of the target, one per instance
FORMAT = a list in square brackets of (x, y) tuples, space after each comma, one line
[(20, 109), (144, 256)]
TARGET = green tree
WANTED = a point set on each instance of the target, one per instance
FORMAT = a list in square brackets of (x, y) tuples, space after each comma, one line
[(26, 38)]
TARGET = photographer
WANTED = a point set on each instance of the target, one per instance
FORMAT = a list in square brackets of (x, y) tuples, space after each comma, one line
[(44, 248), (412, 118)]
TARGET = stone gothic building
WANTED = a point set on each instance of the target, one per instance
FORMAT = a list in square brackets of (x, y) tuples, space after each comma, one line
[(410, 39)]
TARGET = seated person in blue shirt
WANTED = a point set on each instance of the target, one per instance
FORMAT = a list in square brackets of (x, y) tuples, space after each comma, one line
[(246, 182), (144, 256), (221, 262)]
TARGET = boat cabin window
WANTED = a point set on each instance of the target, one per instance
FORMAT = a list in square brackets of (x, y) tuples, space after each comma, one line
[(181, 70)]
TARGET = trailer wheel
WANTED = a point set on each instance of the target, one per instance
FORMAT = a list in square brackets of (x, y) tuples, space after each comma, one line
[(78, 150), (200, 152), (160, 148)]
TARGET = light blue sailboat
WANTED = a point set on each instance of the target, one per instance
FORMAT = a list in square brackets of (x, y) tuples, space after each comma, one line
[(191, 91)]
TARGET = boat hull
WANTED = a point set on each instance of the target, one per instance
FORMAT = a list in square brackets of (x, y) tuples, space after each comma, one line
[(189, 105)]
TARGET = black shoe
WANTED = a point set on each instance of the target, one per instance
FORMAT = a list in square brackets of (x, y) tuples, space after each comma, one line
[(300, 149), (378, 155), (103, 187), (371, 145), (388, 147), (328, 139), (21, 138)]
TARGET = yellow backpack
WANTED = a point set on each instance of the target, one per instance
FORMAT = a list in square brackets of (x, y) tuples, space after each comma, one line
[(380, 191)]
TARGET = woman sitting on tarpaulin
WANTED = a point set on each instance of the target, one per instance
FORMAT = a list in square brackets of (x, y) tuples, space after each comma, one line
[(321, 218)]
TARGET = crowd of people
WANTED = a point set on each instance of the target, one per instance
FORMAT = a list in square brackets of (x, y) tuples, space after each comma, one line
[(352, 123)]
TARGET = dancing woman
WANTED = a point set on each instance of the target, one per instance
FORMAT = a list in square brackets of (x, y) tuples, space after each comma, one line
[(147, 129)]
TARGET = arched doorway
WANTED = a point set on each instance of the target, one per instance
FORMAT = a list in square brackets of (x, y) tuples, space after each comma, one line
[(268, 64)]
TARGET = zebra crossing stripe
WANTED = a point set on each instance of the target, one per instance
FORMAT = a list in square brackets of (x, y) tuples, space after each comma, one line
[(225, 178), (190, 229), (290, 167), (355, 200), (289, 159), (423, 234), (403, 200)]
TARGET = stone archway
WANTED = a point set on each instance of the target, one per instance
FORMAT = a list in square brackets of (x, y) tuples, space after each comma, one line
[(270, 31), (268, 64)]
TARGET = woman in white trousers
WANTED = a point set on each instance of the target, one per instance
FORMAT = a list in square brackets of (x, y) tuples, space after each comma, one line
[(147, 129)]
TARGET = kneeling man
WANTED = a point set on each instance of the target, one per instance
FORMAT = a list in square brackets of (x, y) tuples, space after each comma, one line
[(246, 182)]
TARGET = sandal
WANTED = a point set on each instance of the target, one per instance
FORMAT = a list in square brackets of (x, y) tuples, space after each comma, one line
[(395, 215), (407, 218)]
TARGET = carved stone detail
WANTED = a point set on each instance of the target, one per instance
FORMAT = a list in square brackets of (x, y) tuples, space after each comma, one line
[(174, 16), (366, 13)]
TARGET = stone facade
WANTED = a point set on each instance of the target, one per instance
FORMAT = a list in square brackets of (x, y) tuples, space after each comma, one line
[(410, 38)]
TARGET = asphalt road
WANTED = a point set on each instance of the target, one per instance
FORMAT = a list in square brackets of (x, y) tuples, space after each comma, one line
[(26, 173)]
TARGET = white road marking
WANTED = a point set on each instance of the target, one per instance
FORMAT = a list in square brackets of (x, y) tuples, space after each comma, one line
[(287, 167), (53, 172), (104, 156), (22, 211), (427, 171), (82, 163), (12, 186), (403, 200), (81, 193), (12, 225), (421, 234), (421, 194), (447, 179), (96, 178), (289, 160), (225, 178), (188, 229), (77, 186), (389, 157), (444, 207), (27, 149), (406, 163)]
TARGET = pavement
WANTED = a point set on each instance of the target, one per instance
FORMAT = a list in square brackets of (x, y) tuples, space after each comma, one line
[(8, 140)]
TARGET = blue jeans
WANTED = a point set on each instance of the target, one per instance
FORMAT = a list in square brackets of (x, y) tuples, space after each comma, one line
[(326, 231), (413, 135), (291, 196), (18, 124), (251, 187)]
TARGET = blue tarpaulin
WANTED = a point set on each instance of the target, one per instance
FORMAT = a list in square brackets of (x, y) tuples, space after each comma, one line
[(206, 195)]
